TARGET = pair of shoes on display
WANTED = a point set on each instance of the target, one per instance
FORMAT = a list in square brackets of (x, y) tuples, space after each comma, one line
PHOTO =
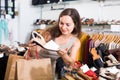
[(115, 52), (110, 60), (47, 22), (110, 73), (87, 21), (97, 60), (102, 50), (39, 22), (7, 50), (4, 48)]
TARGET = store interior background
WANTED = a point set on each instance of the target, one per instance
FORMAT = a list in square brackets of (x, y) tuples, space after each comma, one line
[(22, 25)]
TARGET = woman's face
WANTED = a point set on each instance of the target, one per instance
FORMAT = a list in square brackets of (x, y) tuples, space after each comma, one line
[(66, 24)]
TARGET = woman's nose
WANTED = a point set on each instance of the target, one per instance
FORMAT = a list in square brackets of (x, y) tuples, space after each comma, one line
[(64, 26)]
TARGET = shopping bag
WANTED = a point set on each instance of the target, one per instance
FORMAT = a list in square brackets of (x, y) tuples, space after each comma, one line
[(34, 69), (11, 66)]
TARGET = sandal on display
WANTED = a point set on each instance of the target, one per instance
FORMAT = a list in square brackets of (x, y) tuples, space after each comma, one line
[(97, 60), (39, 40), (111, 60), (110, 73)]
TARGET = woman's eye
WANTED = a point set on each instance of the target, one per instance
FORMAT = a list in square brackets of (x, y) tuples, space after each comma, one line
[(60, 23), (68, 25)]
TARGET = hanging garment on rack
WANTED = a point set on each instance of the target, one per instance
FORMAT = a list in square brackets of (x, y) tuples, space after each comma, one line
[(3, 28), (89, 45), (81, 53), (107, 41), (110, 39)]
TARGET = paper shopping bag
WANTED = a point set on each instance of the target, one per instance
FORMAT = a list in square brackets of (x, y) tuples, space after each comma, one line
[(34, 69), (11, 66)]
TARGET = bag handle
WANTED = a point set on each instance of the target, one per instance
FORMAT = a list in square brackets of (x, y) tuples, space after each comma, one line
[(28, 54)]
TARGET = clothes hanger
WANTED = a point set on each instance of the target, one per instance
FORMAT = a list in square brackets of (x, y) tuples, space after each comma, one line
[(111, 38), (115, 38), (108, 38), (93, 36), (118, 39), (101, 36)]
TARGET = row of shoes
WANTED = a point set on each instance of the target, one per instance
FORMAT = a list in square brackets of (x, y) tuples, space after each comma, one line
[(42, 21), (5, 49), (78, 71), (84, 21), (12, 49), (91, 21), (87, 21), (107, 22)]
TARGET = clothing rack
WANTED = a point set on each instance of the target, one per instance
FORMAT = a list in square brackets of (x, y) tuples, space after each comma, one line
[(108, 37), (0, 8), (8, 8)]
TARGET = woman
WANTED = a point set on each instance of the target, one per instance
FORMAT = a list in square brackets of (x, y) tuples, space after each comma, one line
[(66, 34)]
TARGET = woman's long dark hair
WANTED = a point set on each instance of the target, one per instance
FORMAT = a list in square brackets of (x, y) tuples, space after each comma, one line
[(73, 13)]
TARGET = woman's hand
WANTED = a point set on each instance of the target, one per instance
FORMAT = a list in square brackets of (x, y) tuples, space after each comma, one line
[(33, 42), (33, 46), (30, 43), (66, 58)]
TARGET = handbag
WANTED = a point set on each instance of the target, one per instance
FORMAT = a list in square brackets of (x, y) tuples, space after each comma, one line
[(34, 69)]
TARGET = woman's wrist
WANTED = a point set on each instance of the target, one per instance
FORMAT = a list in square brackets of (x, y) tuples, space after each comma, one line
[(62, 54)]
